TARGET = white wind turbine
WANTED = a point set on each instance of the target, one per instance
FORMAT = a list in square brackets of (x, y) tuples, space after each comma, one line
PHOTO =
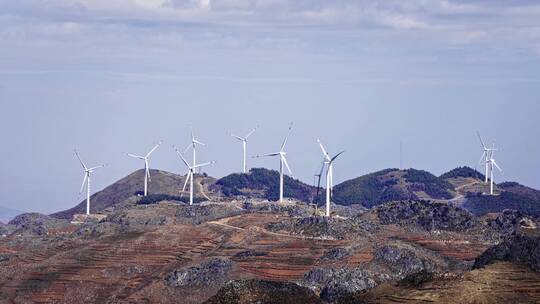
[(86, 180), (486, 155), (329, 163), (244, 141), (492, 163), (191, 172), (282, 162), (193, 145), (146, 166)]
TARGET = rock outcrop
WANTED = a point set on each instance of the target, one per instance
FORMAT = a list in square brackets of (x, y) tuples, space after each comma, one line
[(267, 292), (523, 247)]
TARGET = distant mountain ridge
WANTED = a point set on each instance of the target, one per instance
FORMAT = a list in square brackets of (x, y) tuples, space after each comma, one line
[(7, 214), (392, 185), (463, 185)]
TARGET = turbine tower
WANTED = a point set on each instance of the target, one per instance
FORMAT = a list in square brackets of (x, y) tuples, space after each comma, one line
[(492, 163), (328, 162), (193, 145), (244, 141), (146, 166), (486, 155), (191, 172), (282, 162), (86, 180)]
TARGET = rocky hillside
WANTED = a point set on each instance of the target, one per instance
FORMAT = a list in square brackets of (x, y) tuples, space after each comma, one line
[(264, 183), (392, 185), (523, 248), (162, 183)]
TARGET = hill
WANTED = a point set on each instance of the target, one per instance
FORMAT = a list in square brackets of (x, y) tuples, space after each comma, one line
[(522, 201), (264, 183), (392, 185), (163, 183), (465, 172), (6, 214)]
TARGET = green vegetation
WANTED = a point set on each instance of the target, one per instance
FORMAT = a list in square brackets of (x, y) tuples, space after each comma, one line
[(369, 190), (265, 181), (424, 181), (462, 172), (390, 185), (481, 204)]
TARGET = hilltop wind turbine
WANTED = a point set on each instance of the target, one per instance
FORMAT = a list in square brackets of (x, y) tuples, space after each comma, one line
[(86, 180), (329, 163), (193, 145), (146, 166), (191, 172), (486, 155), (492, 163), (282, 162), (244, 141)]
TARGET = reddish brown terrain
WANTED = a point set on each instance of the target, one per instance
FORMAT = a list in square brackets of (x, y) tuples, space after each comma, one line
[(127, 257)]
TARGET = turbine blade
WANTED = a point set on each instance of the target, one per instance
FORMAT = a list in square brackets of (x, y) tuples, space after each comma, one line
[(182, 157), (134, 156), (286, 164), (204, 164), (481, 141), (251, 132), (187, 180), (96, 167), (495, 163), (83, 182), (198, 142), (482, 158), (323, 150), (80, 160), (238, 137), (286, 137), (268, 154), (337, 155), (153, 149), (322, 167), (187, 148)]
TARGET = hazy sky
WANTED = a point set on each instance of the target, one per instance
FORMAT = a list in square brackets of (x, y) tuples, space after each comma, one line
[(113, 76)]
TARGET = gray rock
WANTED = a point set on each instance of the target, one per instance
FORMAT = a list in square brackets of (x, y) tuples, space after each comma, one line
[(402, 261), (428, 215), (336, 283), (4, 258), (267, 292), (335, 254), (325, 227), (523, 247), (210, 273)]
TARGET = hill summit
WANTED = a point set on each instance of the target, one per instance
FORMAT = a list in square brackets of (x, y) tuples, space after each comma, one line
[(162, 183)]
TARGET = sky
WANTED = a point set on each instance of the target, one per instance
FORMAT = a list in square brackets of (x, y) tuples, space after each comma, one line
[(115, 76)]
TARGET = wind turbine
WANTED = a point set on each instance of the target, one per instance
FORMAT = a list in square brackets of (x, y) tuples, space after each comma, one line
[(191, 172), (86, 180), (492, 163), (193, 145), (486, 155), (329, 163), (282, 162), (244, 141), (146, 166)]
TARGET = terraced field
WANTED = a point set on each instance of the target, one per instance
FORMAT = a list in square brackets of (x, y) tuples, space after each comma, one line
[(131, 267)]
